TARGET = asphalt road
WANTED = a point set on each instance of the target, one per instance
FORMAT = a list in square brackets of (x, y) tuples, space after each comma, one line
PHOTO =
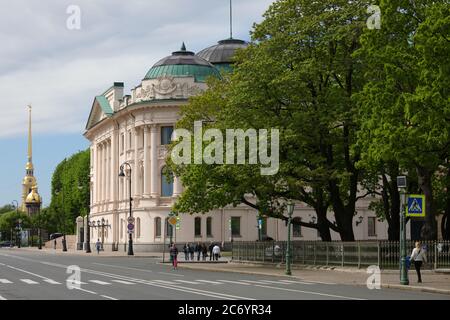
[(30, 275)]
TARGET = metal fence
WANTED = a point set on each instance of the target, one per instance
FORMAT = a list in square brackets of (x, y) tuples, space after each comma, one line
[(385, 254)]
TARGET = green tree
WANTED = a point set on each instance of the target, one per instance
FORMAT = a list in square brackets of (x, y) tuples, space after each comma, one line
[(9, 221), (298, 76), (70, 192), (404, 107)]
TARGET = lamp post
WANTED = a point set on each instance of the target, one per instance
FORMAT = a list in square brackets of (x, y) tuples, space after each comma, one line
[(88, 231), (290, 210), (130, 238), (401, 184), (57, 192)]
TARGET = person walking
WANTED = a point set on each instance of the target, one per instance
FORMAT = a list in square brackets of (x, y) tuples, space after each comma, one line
[(210, 249), (192, 251), (216, 251), (198, 249), (174, 256), (98, 245), (419, 257), (186, 251), (204, 251)]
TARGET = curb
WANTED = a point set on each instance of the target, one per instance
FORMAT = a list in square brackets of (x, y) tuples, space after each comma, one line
[(412, 288)]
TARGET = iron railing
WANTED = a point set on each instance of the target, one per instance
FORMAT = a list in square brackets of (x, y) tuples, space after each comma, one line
[(385, 254)]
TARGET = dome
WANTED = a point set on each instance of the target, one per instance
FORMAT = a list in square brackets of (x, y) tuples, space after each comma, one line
[(183, 63), (222, 53), (33, 197)]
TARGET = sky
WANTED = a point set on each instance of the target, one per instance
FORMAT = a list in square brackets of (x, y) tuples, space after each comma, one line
[(58, 68)]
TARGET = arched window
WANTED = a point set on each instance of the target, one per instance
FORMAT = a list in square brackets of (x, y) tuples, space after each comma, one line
[(158, 227), (209, 227), (166, 185), (198, 226), (296, 228), (138, 227)]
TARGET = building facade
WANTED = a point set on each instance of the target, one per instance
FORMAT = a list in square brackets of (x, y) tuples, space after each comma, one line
[(136, 129)]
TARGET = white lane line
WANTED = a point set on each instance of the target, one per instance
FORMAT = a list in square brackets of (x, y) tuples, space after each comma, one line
[(162, 281), (103, 283), (28, 281), (189, 282), (28, 272), (2, 264), (310, 292), (84, 290), (52, 281), (110, 298), (295, 282), (273, 282), (2, 298), (172, 274), (207, 281), (120, 267), (6, 281), (320, 282), (262, 282), (123, 282), (235, 282)]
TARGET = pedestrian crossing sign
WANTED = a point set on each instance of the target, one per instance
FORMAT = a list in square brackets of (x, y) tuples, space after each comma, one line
[(416, 206)]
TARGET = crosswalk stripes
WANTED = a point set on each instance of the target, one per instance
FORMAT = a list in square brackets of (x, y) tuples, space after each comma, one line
[(29, 281), (6, 281), (52, 281)]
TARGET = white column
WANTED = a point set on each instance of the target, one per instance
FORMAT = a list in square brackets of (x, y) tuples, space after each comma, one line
[(154, 175), (113, 169), (136, 163), (95, 172), (108, 163), (105, 150), (100, 172), (177, 188), (146, 161)]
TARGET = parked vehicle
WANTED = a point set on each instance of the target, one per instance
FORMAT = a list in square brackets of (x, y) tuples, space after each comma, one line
[(6, 244)]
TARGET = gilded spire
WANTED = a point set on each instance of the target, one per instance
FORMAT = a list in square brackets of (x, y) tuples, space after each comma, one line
[(30, 150)]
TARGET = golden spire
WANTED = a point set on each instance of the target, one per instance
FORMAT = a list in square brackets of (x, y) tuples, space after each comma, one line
[(30, 151), (29, 181)]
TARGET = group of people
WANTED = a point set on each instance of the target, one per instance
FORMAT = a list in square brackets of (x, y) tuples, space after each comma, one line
[(201, 249)]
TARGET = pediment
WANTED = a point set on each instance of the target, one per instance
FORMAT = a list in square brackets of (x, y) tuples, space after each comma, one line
[(99, 111)]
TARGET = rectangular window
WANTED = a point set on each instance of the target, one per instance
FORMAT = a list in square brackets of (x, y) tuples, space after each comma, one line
[(198, 226), (236, 226), (158, 227), (166, 135), (122, 143), (371, 224), (209, 227)]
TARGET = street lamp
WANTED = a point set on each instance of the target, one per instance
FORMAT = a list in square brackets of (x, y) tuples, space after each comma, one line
[(401, 184), (290, 210), (88, 231), (57, 192), (100, 224), (130, 238)]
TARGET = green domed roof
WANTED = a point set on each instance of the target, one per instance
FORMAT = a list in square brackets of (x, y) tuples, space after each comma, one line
[(183, 64)]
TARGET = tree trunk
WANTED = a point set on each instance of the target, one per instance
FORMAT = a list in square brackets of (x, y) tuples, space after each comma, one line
[(322, 224), (429, 229)]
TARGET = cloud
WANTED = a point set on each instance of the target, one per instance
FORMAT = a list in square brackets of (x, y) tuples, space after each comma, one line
[(60, 71)]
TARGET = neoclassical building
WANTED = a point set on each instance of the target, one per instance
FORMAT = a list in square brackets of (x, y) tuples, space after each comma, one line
[(137, 128)]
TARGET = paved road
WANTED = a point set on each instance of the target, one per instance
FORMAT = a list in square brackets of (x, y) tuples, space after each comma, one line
[(30, 275)]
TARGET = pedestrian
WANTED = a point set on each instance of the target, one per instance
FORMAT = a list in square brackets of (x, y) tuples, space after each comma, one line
[(174, 256), (210, 249), (186, 251), (419, 257), (204, 251), (98, 245), (216, 251), (198, 249), (191, 251), (54, 244)]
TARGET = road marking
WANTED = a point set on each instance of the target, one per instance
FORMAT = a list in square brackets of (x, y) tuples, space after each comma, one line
[(207, 281), (273, 282), (52, 281), (120, 267), (236, 282), (257, 281), (76, 288), (123, 282), (189, 282), (162, 281), (110, 298), (310, 292), (28, 281), (2, 298), (71, 281), (320, 282), (103, 283), (212, 294), (172, 274), (5, 281)]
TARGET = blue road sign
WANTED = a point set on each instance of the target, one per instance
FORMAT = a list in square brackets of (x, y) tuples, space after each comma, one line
[(416, 206)]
